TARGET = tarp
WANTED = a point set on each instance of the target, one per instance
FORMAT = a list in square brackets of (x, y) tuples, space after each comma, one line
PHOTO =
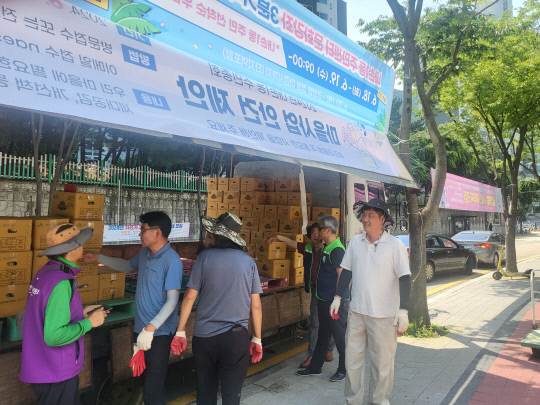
[(260, 77), (468, 195)]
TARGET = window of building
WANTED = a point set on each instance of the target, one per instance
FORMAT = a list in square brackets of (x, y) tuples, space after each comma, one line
[(324, 2), (323, 16)]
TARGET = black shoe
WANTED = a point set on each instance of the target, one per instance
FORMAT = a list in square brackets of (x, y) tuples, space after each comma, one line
[(338, 376), (307, 371)]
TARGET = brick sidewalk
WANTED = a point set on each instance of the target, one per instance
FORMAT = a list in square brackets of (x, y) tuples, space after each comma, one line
[(513, 376)]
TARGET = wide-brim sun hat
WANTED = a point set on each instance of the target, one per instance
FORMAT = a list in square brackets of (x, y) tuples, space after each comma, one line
[(360, 206), (63, 238), (227, 225)]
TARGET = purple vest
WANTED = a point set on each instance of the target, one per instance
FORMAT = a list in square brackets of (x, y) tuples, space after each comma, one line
[(42, 363)]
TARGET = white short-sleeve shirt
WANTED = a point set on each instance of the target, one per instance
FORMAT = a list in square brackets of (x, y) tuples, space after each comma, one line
[(375, 274)]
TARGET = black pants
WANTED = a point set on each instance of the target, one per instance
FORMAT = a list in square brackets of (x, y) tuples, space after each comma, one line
[(329, 327), (225, 358), (153, 377), (60, 393)]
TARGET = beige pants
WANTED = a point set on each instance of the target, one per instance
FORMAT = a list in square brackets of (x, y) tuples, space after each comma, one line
[(380, 336)]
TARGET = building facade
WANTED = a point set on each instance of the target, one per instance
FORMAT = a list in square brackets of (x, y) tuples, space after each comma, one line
[(334, 12)]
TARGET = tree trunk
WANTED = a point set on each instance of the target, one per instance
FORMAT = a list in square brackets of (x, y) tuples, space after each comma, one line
[(36, 137)]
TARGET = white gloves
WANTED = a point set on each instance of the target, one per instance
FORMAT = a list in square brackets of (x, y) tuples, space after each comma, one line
[(401, 320), (334, 308), (144, 340)]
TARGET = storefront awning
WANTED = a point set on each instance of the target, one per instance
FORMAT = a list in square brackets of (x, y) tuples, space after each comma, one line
[(270, 80)]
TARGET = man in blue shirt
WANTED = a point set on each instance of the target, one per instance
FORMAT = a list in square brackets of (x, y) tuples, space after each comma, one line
[(156, 300)]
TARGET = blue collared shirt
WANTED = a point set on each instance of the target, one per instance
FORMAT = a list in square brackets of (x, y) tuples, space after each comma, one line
[(157, 275)]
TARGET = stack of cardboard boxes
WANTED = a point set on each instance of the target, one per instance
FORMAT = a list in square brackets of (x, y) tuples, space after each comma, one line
[(94, 283), (15, 264), (267, 207)]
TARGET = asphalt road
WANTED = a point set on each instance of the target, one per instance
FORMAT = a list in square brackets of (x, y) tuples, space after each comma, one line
[(526, 246)]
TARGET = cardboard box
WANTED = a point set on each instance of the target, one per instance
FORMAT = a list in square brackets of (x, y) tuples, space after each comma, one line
[(215, 197), (281, 198), (259, 185), (212, 184), (246, 210), (296, 276), (12, 299), (264, 284), (269, 225), (278, 283), (294, 236), (257, 237), (15, 234), (39, 262), (89, 269), (222, 209), (296, 185), (293, 199), (231, 197), (288, 226), (77, 205), (111, 284), (270, 211), (269, 185), (270, 198), (258, 211), (15, 268), (309, 199), (234, 209), (211, 213), (40, 227), (223, 184), (88, 287), (283, 185), (247, 197), (234, 184), (250, 250), (273, 268), (250, 224), (260, 198), (212, 209), (289, 213), (274, 250), (297, 260), (317, 212), (246, 235), (248, 184), (96, 240)]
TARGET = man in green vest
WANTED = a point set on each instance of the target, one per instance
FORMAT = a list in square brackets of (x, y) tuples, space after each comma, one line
[(312, 256), (327, 277)]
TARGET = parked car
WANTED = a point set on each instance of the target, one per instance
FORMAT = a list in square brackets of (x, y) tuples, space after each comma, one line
[(486, 244), (444, 254)]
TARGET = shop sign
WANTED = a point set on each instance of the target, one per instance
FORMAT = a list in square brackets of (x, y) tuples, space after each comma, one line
[(469, 195)]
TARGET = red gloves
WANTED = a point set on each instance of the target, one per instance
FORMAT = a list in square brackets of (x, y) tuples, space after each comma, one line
[(255, 350), (137, 361), (334, 308), (179, 343)]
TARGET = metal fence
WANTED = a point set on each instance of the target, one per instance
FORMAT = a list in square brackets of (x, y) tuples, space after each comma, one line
[(103, 174)]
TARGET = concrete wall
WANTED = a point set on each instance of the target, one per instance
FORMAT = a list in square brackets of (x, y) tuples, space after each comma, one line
[(18, 199)]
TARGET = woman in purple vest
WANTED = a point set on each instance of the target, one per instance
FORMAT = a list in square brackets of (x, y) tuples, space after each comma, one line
[(55, 321)]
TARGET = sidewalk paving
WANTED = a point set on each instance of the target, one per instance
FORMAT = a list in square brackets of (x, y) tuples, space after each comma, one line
[(482, 315)]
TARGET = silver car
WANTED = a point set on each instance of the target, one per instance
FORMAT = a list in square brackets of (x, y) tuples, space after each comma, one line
[(486, 244)]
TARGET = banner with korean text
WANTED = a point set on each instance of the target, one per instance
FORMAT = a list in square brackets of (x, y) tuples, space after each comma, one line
[(469, 195), (130, 233), (263, 75)]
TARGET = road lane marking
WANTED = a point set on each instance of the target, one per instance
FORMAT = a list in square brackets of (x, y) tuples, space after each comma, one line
[(472, 276)]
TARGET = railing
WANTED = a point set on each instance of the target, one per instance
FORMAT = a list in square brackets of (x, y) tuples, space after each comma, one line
[(103, 174)]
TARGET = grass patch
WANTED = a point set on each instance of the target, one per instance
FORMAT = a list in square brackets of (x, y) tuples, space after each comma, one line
[(422, 331)]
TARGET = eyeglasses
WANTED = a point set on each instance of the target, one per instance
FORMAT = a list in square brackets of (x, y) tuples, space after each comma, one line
[(143, 230)]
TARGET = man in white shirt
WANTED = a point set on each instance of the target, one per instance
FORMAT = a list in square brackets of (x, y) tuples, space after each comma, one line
[(378, 265)]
